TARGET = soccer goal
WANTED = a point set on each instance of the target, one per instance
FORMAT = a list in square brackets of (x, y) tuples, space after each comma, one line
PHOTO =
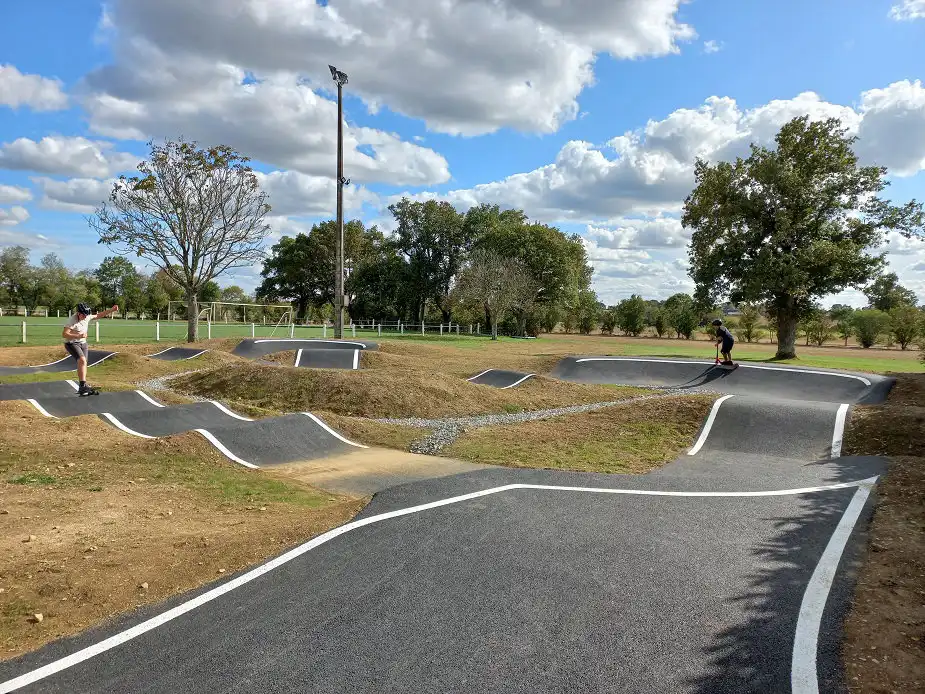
[(232, 311)]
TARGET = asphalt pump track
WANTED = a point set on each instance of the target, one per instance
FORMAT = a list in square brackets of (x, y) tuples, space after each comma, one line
[(253, 443), (310, 353), (63, 365), (728, 570)]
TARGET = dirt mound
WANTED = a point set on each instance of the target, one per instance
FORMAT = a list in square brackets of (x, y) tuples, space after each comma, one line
[(397, 391)]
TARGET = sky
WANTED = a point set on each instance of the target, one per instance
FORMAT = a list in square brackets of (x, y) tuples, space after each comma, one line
[(586, 114)]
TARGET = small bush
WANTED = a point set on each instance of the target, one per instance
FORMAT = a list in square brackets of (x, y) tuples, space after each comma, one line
[(869, 325), (905, 324)]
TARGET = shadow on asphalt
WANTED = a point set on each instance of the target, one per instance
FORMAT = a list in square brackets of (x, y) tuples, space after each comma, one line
[(744, 658)]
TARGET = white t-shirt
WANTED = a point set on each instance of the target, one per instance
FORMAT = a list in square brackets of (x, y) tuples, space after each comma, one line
[(81, 326)]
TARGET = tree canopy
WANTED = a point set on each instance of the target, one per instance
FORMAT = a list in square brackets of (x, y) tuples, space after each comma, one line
[(789, 225)]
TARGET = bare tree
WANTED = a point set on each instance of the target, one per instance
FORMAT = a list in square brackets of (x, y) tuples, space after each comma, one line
[(194, 213), (500, 284)]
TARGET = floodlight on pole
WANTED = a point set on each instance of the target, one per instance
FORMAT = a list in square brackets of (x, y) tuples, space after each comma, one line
[(340, 79)]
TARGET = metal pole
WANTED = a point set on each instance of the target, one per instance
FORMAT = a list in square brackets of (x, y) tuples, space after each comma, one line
[(339, 278)]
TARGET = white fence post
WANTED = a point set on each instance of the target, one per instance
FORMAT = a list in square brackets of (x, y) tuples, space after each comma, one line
[(380, 330), (478, 328), (209, 328), (422, 327), (97, 324), (253, 330), (291, 330), (157, 331), (401, 328), (354, 329), (457, 329), (324, 329), (24, 331), (441, 329)]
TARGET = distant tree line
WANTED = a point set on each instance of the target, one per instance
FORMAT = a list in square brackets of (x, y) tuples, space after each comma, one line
[(57, 288), (487, 265)]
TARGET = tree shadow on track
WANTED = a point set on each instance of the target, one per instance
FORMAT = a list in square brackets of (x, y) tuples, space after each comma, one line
[(756, 655)]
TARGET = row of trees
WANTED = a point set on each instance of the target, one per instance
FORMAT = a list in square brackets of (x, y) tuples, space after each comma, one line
[(56, 287), (486, 265)]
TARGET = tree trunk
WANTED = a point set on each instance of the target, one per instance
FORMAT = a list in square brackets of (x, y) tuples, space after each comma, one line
[(786, 335), (192, 316), (494, 330), (300, 308)]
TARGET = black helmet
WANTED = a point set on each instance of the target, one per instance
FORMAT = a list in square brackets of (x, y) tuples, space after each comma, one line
[(717, 322), (83, 308)]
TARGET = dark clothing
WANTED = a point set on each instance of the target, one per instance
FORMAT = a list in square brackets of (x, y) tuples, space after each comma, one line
[(722, 333), (77, 349)]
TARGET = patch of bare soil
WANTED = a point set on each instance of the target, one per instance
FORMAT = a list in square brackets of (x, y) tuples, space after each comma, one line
[(884, 648), (96, 523)]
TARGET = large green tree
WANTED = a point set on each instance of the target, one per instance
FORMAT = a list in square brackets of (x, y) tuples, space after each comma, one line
[(886, 293), (790, 225), (681, 314), (15, 270), (194, 213), (120, 283)]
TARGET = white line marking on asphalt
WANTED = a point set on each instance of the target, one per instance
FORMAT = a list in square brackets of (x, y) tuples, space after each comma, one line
[(356, 359), (40, 366), (149, 399), (181, 609), (161, 352), (41, 409), (100, 361), (298, 357), (119, 425), (839, 432), (328, 429), (517, 383), (220, 446), (708, 425), (362, 345), (73, 384), (481, 374), (194, 355), (229, 412), (803, 676), (863, 380)]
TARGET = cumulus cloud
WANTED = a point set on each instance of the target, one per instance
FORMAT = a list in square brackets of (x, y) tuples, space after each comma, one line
[(82, 195), (276, 119), (463, 66), (11, 216), (10, 194), (659, 232), (37, 92), (712, 46), (66, 156), (908, 10), (650, 171), (294, 194)]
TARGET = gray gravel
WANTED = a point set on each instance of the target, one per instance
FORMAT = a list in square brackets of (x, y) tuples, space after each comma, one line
[(160, 384), (448, 429)]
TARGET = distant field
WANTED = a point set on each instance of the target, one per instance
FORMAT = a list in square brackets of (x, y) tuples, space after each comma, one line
[(44, 331)]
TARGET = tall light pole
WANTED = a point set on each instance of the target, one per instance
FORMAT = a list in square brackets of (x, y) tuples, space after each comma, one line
[(340, 79)]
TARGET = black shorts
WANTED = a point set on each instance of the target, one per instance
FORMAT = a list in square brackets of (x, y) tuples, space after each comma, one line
[(727, 347), (77, 349)]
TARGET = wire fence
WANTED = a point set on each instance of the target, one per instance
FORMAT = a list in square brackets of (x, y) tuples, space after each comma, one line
[(37, 331)]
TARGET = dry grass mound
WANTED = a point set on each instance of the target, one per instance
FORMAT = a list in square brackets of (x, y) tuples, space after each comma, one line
[(400, 391), (884, 647), (631, 438)]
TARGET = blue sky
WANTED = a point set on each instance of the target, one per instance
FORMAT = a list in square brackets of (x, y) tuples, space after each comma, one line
[(452, 100)]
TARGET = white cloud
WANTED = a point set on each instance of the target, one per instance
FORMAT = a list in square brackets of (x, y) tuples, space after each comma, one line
[(294, 194), (908, 10), (659, 232), (37, 92), (9, 194), (917, 267), (897, 244), (650, 171), (81, 195), (712, 46), (10, 237), (277, 120), (892, 127), (11, 216), (464, 66), (66, 156)]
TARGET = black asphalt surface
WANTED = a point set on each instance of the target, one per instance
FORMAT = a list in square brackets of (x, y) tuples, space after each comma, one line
[(66, 363), (178, 353), (263, 442), (251, 348), (538, 590), (315, 358), (787, 383), (499, 378)]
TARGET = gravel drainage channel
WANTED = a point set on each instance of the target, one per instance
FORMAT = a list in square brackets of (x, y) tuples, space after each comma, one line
[(447, 430)]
